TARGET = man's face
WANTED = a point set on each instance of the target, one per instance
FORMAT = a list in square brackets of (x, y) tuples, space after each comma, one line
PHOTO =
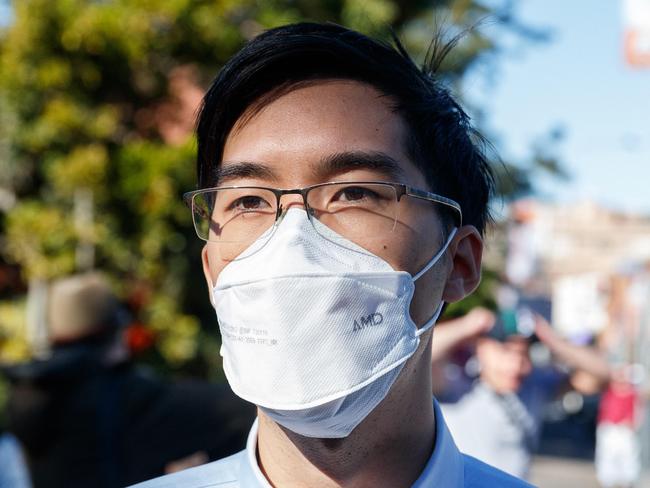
[(292, 142), (504, 365)]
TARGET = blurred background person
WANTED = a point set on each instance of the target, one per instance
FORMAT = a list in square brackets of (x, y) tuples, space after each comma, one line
[(618, 451), (87, 416), (499, 419)]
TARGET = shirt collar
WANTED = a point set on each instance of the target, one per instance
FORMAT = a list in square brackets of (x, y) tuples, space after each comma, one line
[(446, 465), (444, 468), (250, 473)]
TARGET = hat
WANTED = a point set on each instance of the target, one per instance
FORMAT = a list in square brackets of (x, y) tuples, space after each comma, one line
[(513, 324), (80, 306)]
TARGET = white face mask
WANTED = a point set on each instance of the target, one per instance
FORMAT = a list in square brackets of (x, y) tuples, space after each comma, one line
[(315, 330)]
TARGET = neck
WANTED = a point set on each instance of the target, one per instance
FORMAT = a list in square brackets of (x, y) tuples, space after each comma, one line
[(389, 448)]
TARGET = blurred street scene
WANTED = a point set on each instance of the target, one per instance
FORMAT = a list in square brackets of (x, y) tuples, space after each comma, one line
[(97, 107), (584, 392)]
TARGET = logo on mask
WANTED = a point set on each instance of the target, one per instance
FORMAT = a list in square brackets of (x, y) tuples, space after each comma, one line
[(368, 321)]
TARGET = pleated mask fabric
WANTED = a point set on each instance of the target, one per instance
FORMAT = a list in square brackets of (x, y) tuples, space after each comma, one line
[(315, 329)]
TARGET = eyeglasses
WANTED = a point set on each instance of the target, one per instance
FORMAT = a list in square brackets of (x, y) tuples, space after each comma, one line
[(239, 215)]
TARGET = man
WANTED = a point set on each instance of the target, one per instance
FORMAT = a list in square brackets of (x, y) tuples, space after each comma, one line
[(505, 431), (498, 420), (87, 416), (329, 170)]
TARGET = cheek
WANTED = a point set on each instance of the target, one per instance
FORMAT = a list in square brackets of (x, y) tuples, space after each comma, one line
[(396, 252), (406, 249), (420, 229), (496, 363), (527, 367), (516, 368), (215, 262)]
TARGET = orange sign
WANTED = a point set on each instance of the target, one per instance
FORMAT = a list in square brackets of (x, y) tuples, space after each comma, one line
[(636, 18)]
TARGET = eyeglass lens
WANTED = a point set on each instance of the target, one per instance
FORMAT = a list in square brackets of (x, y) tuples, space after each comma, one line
[(236, 217)]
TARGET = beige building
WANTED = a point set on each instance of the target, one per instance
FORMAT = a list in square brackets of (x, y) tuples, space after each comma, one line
[(583, 256), (541, 242), (589, 238)]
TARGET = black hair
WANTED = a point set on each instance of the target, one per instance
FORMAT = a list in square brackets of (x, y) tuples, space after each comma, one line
[(441, 141)]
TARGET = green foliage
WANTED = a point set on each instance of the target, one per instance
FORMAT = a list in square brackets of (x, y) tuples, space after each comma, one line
[(86, 100), (13, 346), (369, 16), (42, 239)]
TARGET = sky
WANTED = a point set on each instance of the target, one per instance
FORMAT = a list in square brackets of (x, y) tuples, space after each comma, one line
[(5, 12), (579, 81)]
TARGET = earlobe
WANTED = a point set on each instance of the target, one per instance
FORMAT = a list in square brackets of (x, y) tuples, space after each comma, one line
[(465, 274)]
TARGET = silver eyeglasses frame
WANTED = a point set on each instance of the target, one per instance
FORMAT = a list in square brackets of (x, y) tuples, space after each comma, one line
[(400, 190)]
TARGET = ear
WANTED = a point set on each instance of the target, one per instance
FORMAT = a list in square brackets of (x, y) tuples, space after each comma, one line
[(466, 252), (205, 260)]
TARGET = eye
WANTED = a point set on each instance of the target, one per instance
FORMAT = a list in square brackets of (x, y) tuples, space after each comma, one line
[(355, 194), (249, 203)]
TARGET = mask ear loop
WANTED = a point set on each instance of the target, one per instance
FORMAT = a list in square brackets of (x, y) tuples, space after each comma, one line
[(431, 321), (429, 324), (435, 258)]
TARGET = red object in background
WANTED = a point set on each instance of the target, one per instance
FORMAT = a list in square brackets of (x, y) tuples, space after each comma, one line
[(618, 405), (139, 337), (637, 48), (636, 32)]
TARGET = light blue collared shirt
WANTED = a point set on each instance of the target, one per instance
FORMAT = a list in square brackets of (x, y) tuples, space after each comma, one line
[(447, 468)]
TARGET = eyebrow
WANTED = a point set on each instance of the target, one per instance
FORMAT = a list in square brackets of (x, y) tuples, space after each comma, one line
[(325, 169), (348, 161), (243, 169)]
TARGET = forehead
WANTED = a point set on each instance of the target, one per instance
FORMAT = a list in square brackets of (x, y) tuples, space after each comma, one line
[(512, 344), (301, 128), (516, 344)]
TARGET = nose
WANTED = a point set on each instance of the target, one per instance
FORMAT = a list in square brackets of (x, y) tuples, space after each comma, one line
[(291, 200)]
